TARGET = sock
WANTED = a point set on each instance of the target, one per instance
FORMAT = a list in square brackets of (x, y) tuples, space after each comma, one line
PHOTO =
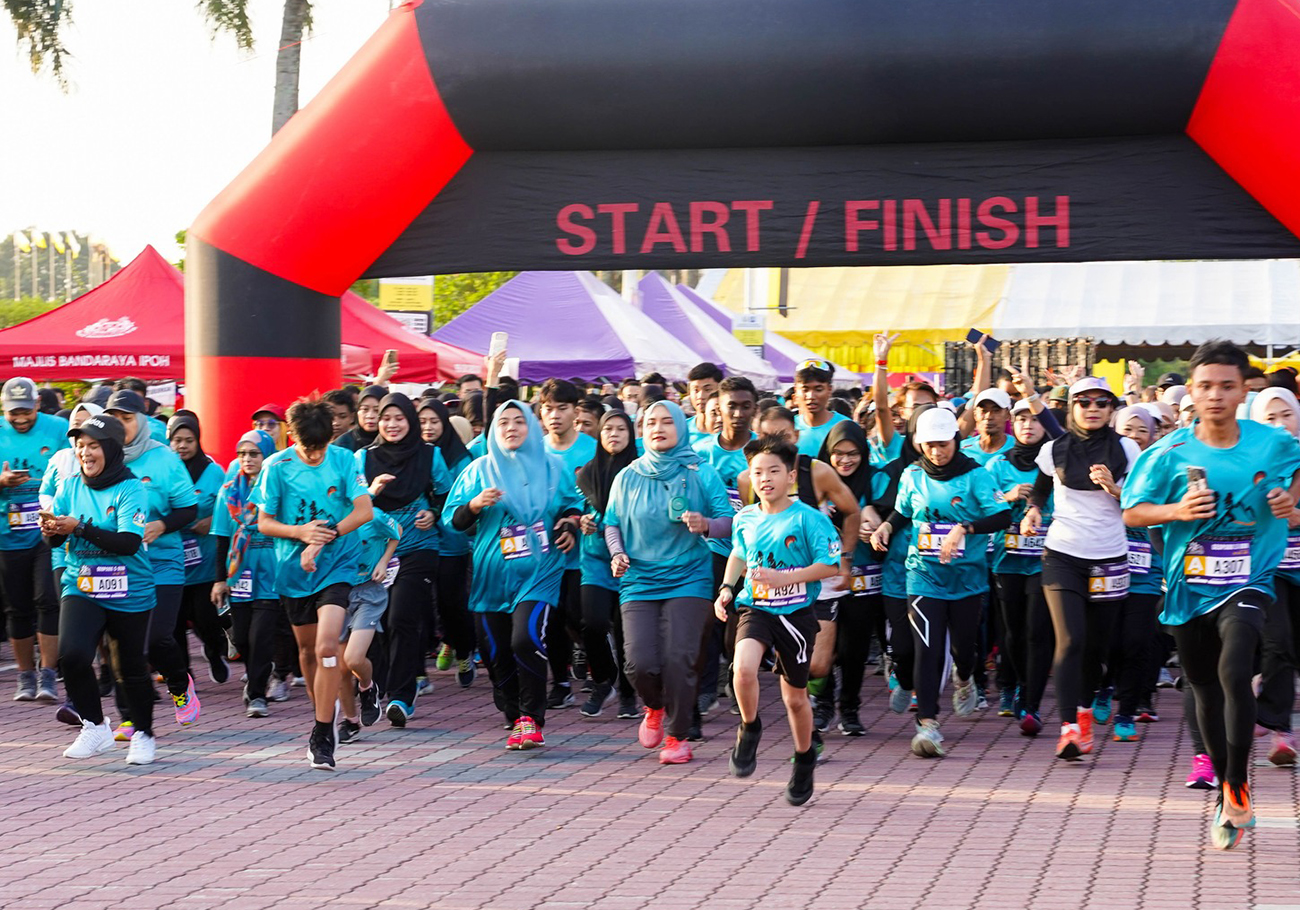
[(806, 758), (323, 727), (754, 726)]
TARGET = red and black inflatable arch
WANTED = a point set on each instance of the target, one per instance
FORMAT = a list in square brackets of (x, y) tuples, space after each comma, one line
[(585, 134)]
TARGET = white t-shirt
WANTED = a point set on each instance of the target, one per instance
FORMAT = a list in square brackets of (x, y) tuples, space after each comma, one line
[(1088, 524)]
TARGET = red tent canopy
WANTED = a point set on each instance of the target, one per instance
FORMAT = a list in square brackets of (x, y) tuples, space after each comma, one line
[(419, 359)]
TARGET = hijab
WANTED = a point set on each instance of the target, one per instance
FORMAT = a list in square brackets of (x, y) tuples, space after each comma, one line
[(527, 477), (114, 471), (463, 429), (959, 464), (859, 482), (260, 438), (409, 459), (471, 406), (199, 463), (143, 441), (1022, 455), (363, 438), (1263, 398), (596, 477), (243, 514), (665, 466), (1075, 452), (452, 446), (1124, 415)]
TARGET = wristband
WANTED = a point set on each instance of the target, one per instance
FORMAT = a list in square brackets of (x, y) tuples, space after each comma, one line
[(968, 527), (1033, 397), (731, 588), (882, 363)]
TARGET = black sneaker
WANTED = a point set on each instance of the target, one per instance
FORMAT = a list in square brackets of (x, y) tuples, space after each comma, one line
[(561, 697), (348, 731), (800, 788), (369, 699), (627, 709), (320, 750), (579, 664), (849, 723), (823, 714), (744, 755), (601, 693), (706, 703), (218, 669)]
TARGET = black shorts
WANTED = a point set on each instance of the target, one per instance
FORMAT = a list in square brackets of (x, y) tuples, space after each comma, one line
[(827, 610), (792, 634), (302, 610)]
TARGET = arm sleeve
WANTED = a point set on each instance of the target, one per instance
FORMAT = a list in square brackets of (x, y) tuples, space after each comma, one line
[(463, 518), (1042, 489), (614, 541), (1051, 426), (897, 521), (998, 521), (179, 518), (122, 543), (720, 527), (223, 555)]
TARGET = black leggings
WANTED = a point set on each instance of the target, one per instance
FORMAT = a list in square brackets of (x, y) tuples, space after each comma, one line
[(1027, 635), (563, 628), (165, 653), (941, 628), (83, 622), (601, 617), (1278, 658), (1217, 654), (29, 593), (513, 646), (861, 615), (1130, 649), (404, 629), (1082, 627), (197, 609), (452, 588), (253, 630), (902, 647)]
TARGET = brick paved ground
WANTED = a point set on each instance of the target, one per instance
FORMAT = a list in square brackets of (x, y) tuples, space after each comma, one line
[(439, 815)]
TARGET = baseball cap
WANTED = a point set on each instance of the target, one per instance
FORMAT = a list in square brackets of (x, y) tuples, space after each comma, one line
[(269, 408), (936, 425), (1091, 384), (102, 427), (1186, 404), (1019, 407), (998, 397), (1173, 395), (1059, 393), (19, 394), (1169, 379), (125, 400)]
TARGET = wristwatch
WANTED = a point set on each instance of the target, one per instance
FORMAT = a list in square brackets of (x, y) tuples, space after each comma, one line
[(81, 526)]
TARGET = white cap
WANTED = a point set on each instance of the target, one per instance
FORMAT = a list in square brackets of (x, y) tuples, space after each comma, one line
[(997, 396), (1187, 404), (1091, 384), (947, 405), (1020, 407), (936, 425), (1174, 395)]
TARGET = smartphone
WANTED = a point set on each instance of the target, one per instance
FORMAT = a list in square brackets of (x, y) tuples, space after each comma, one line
[(990, 344), (1196, 478), (390, 357), (45, 516), (498, 343)]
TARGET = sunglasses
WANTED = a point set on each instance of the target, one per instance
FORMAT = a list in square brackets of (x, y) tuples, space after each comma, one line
[(815, 364), (1099, 401)]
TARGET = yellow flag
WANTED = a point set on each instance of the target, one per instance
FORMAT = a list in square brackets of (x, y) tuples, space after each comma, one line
[(21, 241), (57, 240), (73, 244), (38, 240)]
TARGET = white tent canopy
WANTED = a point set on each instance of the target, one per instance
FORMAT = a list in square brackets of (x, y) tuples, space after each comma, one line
[(1175, 303)]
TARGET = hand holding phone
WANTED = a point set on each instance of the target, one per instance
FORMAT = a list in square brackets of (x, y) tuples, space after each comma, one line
[(991, 344)]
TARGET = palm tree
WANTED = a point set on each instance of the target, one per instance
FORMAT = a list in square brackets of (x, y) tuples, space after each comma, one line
[(40, 23)]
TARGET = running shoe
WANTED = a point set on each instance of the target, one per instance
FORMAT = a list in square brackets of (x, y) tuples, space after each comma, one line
[(187, 704), (579, 664), (1030, 724), (850, 724), (892, 681), (423, 686), (627, 708), (348, 731), (601, 695), (675, 752), (466, 673), (297, 682), (744, 755), (368, 700), (26, 690), (530, 735), (651, 733), (1238, 810), (1223, 834), (928, 741), (515, 737), (899, 700), (706, 703), (1125, 731), (823, 714), (911, 706), (800, 788), (1165, 680), (68, 715), (279, 690), (1101, 706), (964, 696), (1085, 720), (218, 669), (561, 697), (92, 740), (320, 750), (981, 701), (446, 657), (46, 685), (1146, 715), (1282, 752), (142, 750), (1007, 703), (1202, 776), (819, 745), (125, 730), (1068, 745), (695, 732), (257, 708), (399, 712)]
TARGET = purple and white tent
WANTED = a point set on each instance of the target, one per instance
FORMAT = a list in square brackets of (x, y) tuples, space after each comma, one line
[(681, 317), (569, 325), (782, 353)]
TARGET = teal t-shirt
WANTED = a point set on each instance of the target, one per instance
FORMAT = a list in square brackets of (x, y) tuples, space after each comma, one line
[(934, 506), (1013, 553), (30, 451), (450, 541), (729, 464), (168, 486), (157, 429), (971, 446), (667, 560), (254, 577), (882, 455), (200, 550), (115, 582), (794, 538), (810, 437), (575, 457), (414, 538), (594, 557), (1205, 562), (1145, 574), (374, 536), (513, 564), (296, 493)]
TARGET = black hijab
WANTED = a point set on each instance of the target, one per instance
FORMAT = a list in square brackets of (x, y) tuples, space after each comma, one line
[(362, 438), (596, 477), (453, 449), (1075, 452), (409, 459), (959, 464), (115, 470), (1023, 455), (859, 482), (199, 463)]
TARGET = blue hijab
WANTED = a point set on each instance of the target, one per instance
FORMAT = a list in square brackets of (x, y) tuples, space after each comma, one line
[(667, 465), (527, 477)]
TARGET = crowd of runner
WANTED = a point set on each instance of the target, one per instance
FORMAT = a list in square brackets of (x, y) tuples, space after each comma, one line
[(606, 548)]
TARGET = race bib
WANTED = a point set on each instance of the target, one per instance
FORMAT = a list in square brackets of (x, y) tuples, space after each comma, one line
[(515, 540), (1291, 559), (1217, 562), (24, 514), (390, 573), (193, 555), (733, 497), (776, 596), (1025, 544), (1108, 581), (866, 579), (103, 582), (242, 587), (930, 535), (1139, 557)]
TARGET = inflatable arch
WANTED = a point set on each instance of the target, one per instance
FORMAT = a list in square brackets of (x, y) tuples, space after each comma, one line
[(587, 134)]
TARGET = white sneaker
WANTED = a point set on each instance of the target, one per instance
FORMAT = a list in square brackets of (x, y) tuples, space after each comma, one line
[(928, 741), (92, 740), (965, 697), (900, 700), (142, 749), (279, 690)]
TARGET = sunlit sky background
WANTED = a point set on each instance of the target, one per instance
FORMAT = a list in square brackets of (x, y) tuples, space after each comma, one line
[(159, 115)]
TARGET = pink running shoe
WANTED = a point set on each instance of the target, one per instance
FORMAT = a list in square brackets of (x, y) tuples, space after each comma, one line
[(651, 733), (187, 705), (1282, 752), (675, 752), (530, 737), (1202, 776)]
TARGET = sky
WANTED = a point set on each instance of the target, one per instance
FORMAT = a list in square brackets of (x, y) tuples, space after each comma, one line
[(158, 117)]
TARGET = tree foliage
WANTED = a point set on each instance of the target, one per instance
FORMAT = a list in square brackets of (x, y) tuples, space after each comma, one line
[(40, 25), (454, 294), (13, 312)]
